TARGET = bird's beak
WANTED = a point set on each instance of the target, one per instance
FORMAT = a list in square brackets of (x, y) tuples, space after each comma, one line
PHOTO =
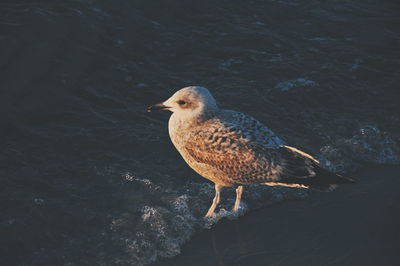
[(157, 107)]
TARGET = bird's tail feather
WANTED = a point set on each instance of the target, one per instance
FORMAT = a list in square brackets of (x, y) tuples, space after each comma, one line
[(325, 180)]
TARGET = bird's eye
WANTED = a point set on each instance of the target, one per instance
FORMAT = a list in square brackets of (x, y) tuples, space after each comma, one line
[(181, 102)]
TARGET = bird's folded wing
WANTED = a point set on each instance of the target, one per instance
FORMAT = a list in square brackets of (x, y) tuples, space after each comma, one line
[(244, 158), (235, 152)]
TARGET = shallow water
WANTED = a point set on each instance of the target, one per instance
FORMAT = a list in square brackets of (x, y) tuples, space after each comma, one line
[(90, 178)]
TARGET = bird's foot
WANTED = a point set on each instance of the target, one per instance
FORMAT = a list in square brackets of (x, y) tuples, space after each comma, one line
[(209, 214)]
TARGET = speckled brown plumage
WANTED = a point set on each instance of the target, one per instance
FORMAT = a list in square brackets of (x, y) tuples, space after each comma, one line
[(230, 149), (233, 149)]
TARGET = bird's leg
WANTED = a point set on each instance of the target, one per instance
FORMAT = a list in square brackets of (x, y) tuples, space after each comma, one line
[(214, 205), (239, 191)]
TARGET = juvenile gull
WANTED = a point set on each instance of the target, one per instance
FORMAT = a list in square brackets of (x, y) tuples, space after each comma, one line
[(233, 149)]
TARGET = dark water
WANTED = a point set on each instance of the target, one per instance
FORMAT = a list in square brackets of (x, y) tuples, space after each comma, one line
[(89, 178)]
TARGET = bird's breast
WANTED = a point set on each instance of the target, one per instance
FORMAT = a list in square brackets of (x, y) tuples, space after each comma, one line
[(176, 129), (180, 132)]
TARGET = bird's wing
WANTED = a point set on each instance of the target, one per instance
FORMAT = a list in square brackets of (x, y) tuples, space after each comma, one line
[(251, 129), (296, 165), (244, 150), (247, 152)]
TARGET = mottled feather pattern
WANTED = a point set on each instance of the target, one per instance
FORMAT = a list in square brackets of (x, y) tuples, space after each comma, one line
[(235, 147)]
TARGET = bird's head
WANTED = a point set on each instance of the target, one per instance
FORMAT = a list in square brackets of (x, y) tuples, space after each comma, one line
[(193, 101)]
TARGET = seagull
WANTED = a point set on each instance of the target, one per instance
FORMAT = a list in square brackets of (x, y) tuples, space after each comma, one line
[(233, 149)]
